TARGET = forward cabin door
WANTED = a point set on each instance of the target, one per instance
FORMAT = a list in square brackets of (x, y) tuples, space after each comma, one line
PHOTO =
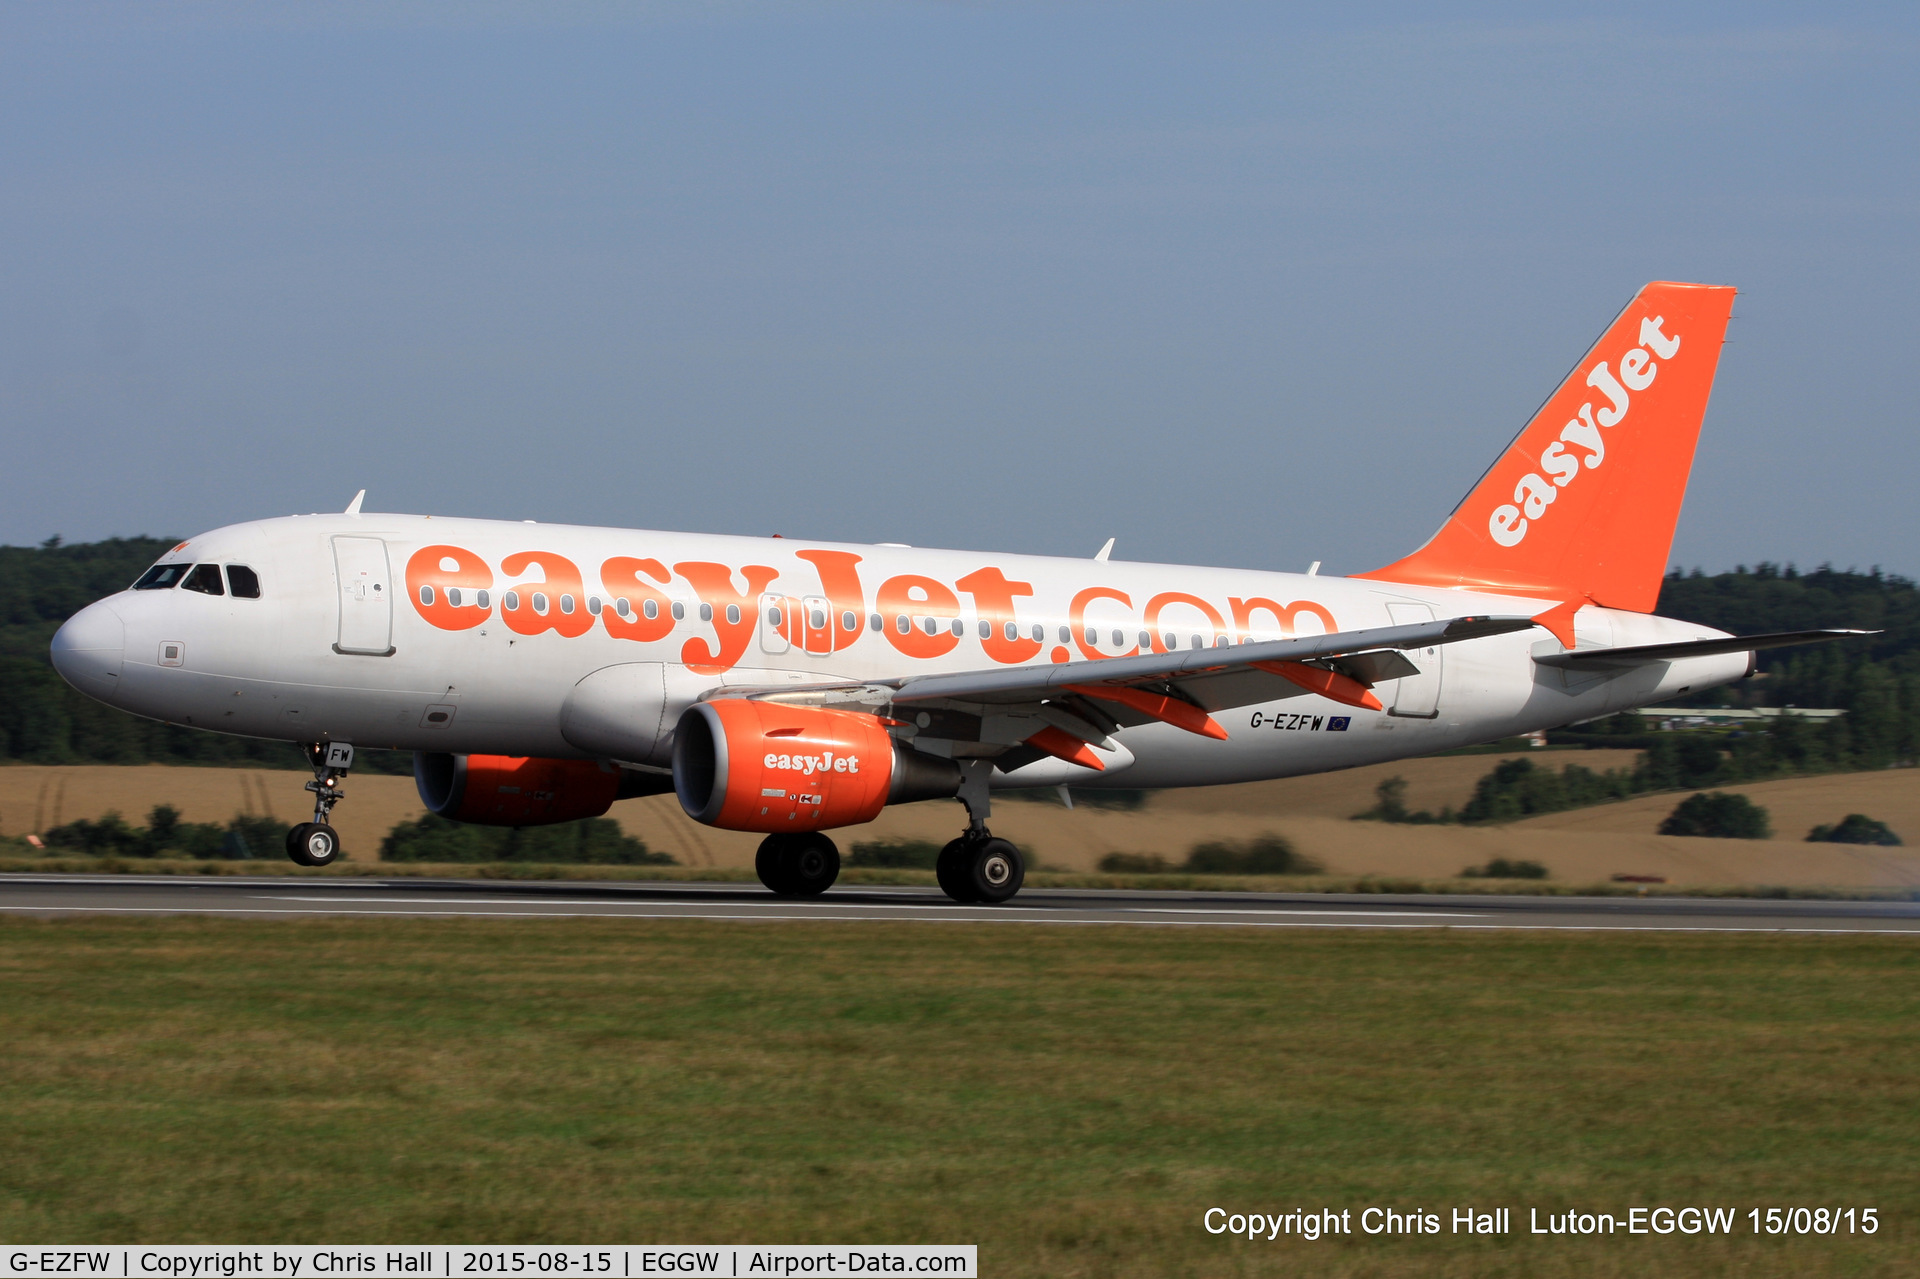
[(1418, 696), (366, 596)]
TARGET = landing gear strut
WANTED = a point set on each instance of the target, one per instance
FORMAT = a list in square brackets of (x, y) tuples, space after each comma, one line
[(315, 843), (799, 865), (977, 867)]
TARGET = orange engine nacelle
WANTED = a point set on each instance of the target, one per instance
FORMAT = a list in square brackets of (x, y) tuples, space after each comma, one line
[(509, 790), (749, 765)]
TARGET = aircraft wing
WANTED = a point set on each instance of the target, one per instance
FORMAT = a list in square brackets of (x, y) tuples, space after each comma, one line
[(1018, 713)]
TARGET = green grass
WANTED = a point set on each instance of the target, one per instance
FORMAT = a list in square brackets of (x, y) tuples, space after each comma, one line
[(1070, 1098)]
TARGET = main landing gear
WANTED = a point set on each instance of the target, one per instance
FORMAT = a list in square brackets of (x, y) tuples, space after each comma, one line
[(798, 865), (977, 867), (315, 843)]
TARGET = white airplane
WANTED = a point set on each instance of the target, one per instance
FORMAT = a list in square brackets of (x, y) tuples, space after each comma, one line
[(539, 672)]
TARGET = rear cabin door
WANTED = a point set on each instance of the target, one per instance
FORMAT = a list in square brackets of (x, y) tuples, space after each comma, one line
[(1418, 696), (366, 596)]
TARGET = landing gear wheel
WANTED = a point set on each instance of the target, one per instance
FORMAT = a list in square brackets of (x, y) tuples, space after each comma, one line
[(770, 862), (950, 868), (312, 844), (812, 865), (995, 871), (798, 865), (974, 868)]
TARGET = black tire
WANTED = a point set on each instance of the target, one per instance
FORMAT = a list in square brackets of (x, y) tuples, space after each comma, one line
[(951, 870), (770, 863), (809, 865), (995, 871), (312, 844)]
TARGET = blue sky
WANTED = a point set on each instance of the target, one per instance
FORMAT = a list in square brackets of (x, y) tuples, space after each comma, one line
[(1230, 284)]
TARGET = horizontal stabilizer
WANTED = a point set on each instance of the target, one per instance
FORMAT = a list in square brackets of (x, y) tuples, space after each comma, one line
[(1587, 659)]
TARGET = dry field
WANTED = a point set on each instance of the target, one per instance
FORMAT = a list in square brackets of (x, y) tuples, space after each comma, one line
[(1582, 846)]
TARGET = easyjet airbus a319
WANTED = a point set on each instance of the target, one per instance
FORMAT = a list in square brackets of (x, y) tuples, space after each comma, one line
[(539, 672)]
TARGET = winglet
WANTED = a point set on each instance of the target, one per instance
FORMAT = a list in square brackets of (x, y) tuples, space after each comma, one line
[(353, 507), (1100, 556)]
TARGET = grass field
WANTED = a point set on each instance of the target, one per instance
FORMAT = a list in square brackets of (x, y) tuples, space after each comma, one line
[(1072, 1099)]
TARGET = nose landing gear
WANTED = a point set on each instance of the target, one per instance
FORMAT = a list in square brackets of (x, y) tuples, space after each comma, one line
[(315, 843)]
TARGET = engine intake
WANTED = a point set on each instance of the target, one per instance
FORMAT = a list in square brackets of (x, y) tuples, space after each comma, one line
[(761, 766), (511, 790)]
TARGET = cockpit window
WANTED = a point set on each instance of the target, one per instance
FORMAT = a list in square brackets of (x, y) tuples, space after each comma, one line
[(161, 577), (205, 578), (244, 581)]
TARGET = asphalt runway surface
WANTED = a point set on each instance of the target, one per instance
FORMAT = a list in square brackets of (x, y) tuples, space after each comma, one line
[(263, 897)]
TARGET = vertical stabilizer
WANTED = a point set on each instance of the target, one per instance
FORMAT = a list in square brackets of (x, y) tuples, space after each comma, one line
[(1582, 506)]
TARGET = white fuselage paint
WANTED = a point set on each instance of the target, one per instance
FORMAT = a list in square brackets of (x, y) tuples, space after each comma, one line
[(275, 667)]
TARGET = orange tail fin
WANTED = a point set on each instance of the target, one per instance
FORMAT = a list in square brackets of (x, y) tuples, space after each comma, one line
[(1581, 506)]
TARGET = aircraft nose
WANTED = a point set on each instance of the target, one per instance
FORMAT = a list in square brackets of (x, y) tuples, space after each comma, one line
[(88, 649)]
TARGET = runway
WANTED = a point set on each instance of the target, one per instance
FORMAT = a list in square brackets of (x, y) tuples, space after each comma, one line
[(268, 897)]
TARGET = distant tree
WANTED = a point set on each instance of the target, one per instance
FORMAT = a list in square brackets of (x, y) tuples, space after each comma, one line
[(1718, 815), (1682, 760), (1517, 788), (1502, 868), (910, 854), (1267, 854), (165, 835), (1134, 864), (591, 840), (1390, 805), (1855, 828)]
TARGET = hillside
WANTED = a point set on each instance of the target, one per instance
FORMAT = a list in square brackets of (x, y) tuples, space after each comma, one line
[(1579, 847)]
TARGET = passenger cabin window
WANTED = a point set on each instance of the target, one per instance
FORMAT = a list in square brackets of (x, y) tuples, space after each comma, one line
[(161, 577), (205, 578), (243, 582)]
